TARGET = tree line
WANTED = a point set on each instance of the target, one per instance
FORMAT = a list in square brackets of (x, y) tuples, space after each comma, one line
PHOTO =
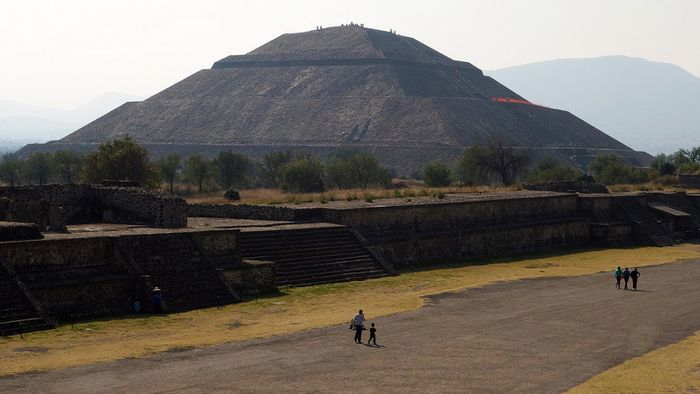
[(490, 164)]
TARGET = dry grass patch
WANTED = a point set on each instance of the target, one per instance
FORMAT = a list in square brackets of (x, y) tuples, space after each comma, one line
[(299, 309), (277, 196), (671, 369)]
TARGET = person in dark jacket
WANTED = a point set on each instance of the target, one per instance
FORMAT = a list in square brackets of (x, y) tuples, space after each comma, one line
[(618, 277), (626, 276), (634, 275)]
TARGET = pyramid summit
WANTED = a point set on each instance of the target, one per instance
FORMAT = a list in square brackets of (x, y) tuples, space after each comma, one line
[(346, 86)]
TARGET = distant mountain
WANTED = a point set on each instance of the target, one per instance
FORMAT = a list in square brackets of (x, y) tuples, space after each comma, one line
[(24, 123), (647, 105)]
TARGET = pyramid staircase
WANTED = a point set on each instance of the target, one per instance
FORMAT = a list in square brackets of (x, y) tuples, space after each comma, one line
[(646, 222), (177, 265), (18, 314), (312, 256)]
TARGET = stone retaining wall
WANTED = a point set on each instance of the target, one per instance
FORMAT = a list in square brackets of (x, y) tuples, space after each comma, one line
[(13, 231), (52, 207), (410, 219), (689, 181), (256, 212), (486, 242), (87, 277), (252, 277)]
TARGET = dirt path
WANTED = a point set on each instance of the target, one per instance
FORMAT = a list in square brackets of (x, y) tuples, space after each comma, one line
[(542, 335)]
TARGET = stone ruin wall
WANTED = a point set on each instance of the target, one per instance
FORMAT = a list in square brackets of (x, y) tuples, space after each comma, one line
[(441, 231), (54, 271), (256, 212), (694, 199), (253, 277), (89, 277), (689, 181), (52, 207), (488, 242), (440, 217), (14, 231)]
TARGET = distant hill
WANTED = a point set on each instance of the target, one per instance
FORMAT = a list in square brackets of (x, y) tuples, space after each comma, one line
[(23, 123), (647, 105)]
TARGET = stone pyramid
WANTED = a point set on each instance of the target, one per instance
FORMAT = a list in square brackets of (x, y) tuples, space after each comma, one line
[(346, 86)]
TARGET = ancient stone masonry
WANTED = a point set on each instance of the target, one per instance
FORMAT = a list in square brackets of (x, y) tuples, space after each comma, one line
[(90, 276), (13, 231), (568, 187), (345, 86), (690, 181), (462, 227), (52, 207)]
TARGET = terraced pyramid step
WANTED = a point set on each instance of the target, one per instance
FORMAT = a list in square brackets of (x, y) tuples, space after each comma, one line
[(312, 255)]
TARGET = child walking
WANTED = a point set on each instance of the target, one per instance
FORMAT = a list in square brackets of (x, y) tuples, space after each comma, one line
[(372, 334)]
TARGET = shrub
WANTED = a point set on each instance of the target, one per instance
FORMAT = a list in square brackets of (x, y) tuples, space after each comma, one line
[(437, 174), (550, 169), (232, 195), (302, 175)]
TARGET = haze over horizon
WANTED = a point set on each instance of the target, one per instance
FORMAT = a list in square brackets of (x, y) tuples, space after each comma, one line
[(64, 54)]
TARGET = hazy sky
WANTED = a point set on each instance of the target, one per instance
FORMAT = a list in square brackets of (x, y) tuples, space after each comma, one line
[(64, 53)]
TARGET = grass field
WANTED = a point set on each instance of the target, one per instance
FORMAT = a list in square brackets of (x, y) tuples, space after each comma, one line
[(413, 189), (277, 196), (298, 309), (671, 369)]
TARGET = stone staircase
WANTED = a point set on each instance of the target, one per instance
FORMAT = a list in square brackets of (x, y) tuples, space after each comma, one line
[(17, 313), (186, 277), (679, 202), (312, 256), (646, 222)]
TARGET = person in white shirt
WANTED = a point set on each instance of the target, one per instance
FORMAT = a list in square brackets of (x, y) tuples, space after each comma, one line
[(358, 322)]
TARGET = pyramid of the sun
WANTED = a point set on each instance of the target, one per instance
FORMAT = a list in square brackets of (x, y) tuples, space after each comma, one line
[(345, 86)]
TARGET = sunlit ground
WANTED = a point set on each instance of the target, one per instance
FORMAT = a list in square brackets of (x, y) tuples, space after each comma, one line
[(297, 309)]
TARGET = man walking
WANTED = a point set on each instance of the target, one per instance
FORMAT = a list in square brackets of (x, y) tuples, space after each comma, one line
[(358, 323), (635, 275), (626, 276)]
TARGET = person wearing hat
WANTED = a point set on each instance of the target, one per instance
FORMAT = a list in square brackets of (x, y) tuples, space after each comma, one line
[(157, 300)]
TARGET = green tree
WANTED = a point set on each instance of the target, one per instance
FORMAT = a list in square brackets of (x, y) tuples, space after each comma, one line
[(687, 161), (611, 169), (11, 169), (470, 168), (495, 160), (120, 159), (231, 169), (366, 170), (271, 166), (40, 167), (302, 175), (551, 169), (198, 170), (68, 165), (437, 174), (169, 168), (347, 169)]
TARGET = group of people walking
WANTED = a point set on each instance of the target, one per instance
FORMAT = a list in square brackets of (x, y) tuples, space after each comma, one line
[(358, 324), (626, 275)]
